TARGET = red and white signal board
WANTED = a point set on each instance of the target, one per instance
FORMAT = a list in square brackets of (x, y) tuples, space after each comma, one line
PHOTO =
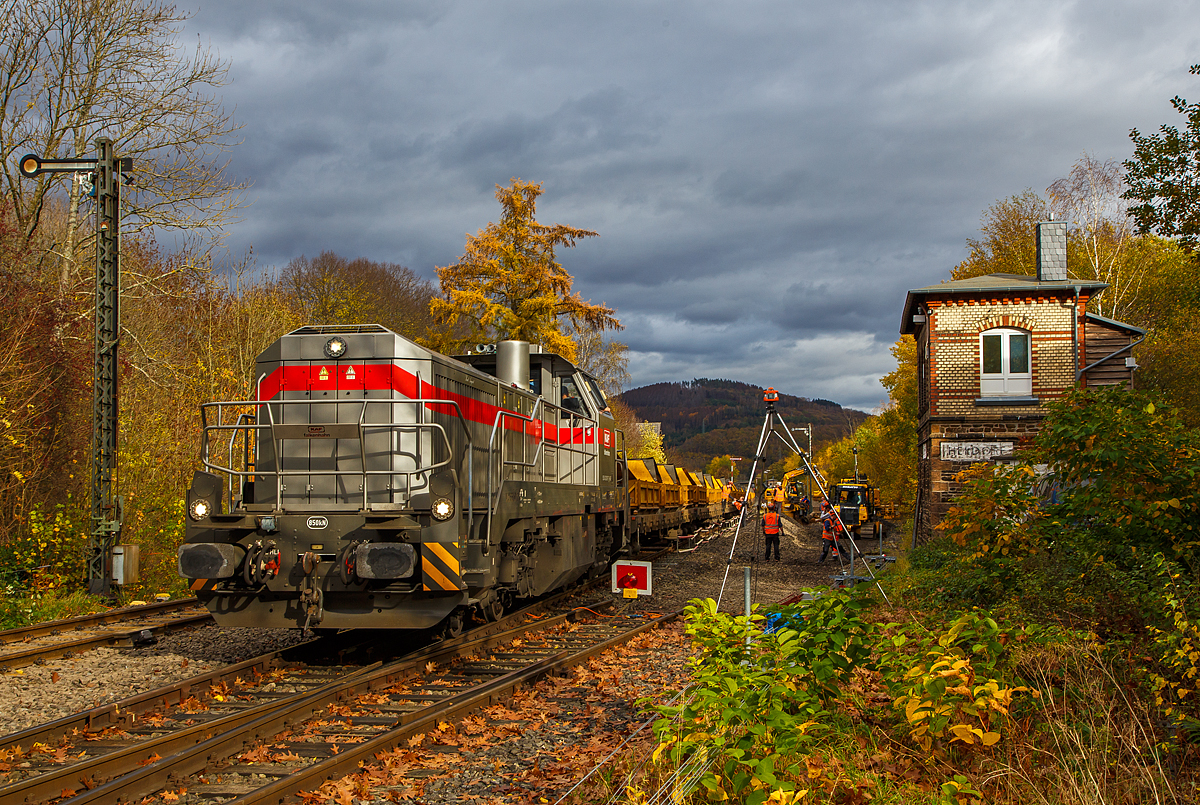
[(632, 576)]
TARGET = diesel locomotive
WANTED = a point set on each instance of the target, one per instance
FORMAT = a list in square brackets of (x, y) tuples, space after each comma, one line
[(374, 483)]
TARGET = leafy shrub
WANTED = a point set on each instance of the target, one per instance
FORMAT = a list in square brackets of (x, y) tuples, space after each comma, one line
[(940, 697), (760, 698)]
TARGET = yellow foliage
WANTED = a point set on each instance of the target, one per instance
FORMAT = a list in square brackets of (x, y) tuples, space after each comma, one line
[(509, 285), (943, 701)]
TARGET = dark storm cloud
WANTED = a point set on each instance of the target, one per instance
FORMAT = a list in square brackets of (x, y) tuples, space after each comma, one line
[(768, 178)]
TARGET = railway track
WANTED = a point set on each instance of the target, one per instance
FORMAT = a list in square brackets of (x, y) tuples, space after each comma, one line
[(116, 628), (133, 748)]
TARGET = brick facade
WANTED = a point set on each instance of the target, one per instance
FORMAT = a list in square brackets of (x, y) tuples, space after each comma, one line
[(958, 425)]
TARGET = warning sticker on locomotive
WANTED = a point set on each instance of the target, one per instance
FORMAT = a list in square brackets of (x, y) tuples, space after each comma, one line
[(349, 372), (323, 374)]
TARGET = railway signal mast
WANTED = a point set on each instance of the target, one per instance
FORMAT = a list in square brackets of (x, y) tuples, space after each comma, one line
[(105, 170)]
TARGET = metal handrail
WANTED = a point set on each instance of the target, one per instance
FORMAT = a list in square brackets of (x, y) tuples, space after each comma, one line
[(245, 448), (501, 416), (361, 425)]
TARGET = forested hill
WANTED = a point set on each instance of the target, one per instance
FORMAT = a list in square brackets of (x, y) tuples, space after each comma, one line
[(705, 418)]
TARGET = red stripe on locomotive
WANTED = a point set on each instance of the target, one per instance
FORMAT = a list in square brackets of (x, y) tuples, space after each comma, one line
[(390, 377)]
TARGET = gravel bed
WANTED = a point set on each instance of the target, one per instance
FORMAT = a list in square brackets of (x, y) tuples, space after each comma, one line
[(56, 688), (680, 577)]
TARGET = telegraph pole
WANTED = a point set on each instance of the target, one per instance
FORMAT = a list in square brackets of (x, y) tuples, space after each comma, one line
[(106, 505)]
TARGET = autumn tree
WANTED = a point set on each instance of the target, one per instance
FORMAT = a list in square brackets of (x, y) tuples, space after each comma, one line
[(887, 441), (1100, 242), (333, 290), (74, 70), (1009, 244), (508, 283), (1168, 307), (605, 359), (1103, 243), (720, 466), (895, 456), (1163, 177), (40, 383), (641, 440)]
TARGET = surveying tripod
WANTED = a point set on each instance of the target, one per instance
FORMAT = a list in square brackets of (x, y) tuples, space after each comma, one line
[(773, 424)]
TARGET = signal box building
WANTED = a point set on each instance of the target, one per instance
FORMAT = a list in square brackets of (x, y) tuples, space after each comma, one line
[(992, 352)]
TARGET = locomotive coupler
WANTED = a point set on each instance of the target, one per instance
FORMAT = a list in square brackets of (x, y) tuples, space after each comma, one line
[(311, 596)]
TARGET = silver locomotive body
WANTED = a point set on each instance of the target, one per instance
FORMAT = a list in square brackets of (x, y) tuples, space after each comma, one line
[(373, 483)]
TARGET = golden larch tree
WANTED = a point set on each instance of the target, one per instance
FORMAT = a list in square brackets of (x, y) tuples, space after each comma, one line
[(508, 284)]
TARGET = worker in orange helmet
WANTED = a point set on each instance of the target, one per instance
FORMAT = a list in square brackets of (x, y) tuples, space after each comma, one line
[(772, 526)]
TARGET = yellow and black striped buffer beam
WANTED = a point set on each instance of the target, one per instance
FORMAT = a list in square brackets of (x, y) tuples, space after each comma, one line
[(440, 569)]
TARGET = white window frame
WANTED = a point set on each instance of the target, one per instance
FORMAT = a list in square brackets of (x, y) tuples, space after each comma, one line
[(1006, 383)]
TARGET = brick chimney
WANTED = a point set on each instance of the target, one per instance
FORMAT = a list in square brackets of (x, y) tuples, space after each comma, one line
[(1052, 251)]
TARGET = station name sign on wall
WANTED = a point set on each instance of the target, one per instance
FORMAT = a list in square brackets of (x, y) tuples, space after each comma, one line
[(975, 451)]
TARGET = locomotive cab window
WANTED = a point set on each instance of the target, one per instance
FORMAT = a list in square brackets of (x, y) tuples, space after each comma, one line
[(1004, 363), (571, 400), (597, 395)]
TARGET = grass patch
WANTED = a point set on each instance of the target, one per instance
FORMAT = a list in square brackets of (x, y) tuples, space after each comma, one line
[(19, 609)]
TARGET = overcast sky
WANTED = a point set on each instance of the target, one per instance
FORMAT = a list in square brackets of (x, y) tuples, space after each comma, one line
[(768, 178)]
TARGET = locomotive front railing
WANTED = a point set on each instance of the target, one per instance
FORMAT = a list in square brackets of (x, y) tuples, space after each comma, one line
[(250, 426)]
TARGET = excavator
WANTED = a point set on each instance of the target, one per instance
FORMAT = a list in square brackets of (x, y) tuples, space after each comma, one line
[(796, 503), (855, 501)]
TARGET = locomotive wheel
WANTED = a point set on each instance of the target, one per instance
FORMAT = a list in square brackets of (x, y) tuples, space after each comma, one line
[(493, 610), (452, 627)]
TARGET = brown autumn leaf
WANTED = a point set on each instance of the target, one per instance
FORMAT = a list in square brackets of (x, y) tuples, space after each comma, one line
[(152, 759), (261, 754), (416, 740), (54, 677), (344, 792), (285, 757), (402, 795), (430, 667)]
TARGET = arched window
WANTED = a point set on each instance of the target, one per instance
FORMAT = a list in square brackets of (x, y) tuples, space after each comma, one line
[(1004, 366)]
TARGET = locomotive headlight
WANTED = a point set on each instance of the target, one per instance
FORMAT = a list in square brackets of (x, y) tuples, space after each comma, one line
[(443, 509), (335, 347), (199, 509)]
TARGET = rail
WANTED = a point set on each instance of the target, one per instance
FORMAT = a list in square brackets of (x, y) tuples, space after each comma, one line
[(249, 425)]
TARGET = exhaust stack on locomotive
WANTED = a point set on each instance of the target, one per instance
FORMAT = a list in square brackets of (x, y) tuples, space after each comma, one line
[(372, 483)]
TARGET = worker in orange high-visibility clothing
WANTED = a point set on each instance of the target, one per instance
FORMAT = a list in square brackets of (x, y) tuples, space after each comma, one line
[(831, 529), (772, 527)]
